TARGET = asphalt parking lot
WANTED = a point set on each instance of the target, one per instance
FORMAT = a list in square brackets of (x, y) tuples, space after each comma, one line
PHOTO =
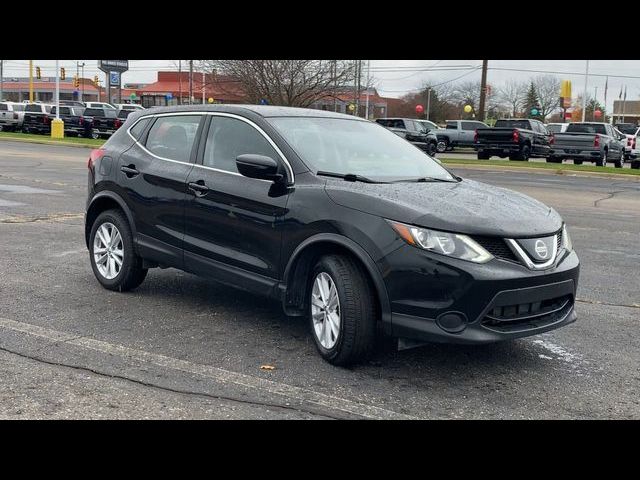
[(183, 347)]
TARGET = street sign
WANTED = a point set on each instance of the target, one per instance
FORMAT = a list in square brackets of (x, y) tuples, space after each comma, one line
[(114, 79), (113, 65)]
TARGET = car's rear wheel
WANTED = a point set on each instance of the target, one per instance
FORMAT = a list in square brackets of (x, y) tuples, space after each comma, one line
[(577, 162), (113, 259), (95, 135), (432, 149), (342, 310), (442, 145), (619, 163), (483, 156)]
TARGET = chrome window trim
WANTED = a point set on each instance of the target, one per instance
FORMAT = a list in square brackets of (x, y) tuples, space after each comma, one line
[(520, 253), (215, 114)]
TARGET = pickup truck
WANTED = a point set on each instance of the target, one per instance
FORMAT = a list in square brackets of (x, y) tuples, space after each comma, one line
[(11, 115), (413, 131), (36, 118), (74, 120), (458, 133), (589, 141), (105, 121), (517, 138)]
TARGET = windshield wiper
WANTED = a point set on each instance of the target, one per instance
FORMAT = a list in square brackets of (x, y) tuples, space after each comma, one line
[(349, 177), (426, 179)]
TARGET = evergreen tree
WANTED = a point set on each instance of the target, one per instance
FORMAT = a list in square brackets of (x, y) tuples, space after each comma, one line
[(532, 101)]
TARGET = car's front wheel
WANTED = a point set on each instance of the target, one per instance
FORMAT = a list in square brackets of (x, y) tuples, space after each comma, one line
[(619, 163), (113, 259), (342, 310)]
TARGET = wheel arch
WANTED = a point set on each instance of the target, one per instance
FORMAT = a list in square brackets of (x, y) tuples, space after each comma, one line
[(103, 201), (296, 274)]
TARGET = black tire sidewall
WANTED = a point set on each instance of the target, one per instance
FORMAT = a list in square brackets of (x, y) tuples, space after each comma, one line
[(129, 259)]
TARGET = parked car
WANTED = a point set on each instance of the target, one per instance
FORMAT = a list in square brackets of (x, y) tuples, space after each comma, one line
[(458, 133), (588, 141), (517, 138), (336, 217), (428, 125), (104, 121), (626, 128), (99, 105), (129, 106), (124, 113), (75, 123), (11, 116), (72, 103), (36, 118), (413, 131), (556, 127)]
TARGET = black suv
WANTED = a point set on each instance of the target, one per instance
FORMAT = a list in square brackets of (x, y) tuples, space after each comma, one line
[(413, 131), (336, 217)]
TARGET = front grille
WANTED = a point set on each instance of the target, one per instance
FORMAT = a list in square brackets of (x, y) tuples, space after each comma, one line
[(497, 247), (525, 316), (559, 241)]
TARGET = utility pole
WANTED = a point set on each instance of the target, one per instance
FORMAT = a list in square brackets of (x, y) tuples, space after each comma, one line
[(483, 90), (366, 108), (203, 81), (1, 80), (584, 95), (335, 85), (190, 81), (31, 81), (428, 101), (180, 82), (82, 78), (357, 96), (595, 102)]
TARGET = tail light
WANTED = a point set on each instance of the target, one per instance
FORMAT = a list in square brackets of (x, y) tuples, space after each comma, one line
[(552, 140), (596, 141), (633, 145), (475, 136), (81, 120), (629, 140), (15, 116), (117, 123), (516, 136), (95, 155), (47, 119)]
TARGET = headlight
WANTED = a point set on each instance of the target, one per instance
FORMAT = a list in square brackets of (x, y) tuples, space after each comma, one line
[(450, 244), (566, 239)]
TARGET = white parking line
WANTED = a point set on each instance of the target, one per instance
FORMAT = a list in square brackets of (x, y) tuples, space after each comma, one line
[(219, 375)]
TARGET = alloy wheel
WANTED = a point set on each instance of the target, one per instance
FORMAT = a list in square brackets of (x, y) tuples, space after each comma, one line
[(108, 250), (325, 310)]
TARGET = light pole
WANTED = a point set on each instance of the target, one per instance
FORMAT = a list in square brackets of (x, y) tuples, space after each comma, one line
[(428, 101), (1, 80), (57, 125), (82, 92), (584, 95)]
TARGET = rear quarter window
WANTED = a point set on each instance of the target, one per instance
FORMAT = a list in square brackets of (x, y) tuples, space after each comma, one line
[(138, 128)]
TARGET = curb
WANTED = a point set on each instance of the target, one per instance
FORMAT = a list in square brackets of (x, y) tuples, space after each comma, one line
[(47, 142), (543, 171)]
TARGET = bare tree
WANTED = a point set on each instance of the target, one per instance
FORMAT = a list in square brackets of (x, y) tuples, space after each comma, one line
[(548, 89), (468, 93), (298, 83), (513, 94)]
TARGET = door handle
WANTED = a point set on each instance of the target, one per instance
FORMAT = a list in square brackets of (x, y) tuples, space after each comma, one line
[(129, 170), (198, 188)]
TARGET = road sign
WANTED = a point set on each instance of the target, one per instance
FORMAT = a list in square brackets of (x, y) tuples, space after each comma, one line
[(114, 79)]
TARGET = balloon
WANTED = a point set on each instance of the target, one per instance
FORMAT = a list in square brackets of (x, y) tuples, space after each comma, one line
[(210, 100), (597, 113), (419, 109), (468, 108)]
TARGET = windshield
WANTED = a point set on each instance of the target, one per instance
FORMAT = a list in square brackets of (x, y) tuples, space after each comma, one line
[(554, 128), (628, 128), (357, 147)]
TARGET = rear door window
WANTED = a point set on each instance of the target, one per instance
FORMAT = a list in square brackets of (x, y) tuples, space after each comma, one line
[(452, 125), (138, 128), (172, 137), (469, 125)]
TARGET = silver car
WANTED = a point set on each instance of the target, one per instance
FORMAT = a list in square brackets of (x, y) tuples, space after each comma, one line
[(11, 115)]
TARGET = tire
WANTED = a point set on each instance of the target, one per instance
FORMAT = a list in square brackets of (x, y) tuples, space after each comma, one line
[(356, 310), (442, 145), (130, 273), (635, 164), (483, 156), (25, 130), (619, 163), (602, 161), (2, 128), (432, 149), (577, 162), (554, 159), (95, 135)]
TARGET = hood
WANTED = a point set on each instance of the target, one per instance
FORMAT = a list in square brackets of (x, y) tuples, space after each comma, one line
[(465, 207)]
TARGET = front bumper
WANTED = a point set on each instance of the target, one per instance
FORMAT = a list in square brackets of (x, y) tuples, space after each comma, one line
[(495, 301)]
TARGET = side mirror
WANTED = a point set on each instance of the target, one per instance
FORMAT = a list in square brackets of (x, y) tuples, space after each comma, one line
[(258, 166)]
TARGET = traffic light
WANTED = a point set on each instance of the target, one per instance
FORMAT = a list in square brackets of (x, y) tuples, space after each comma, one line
[(63, 73), (76, 81), (38, 76), (95, 80)]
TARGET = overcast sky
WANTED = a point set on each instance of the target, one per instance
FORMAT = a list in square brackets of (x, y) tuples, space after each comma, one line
[(394, 78)]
